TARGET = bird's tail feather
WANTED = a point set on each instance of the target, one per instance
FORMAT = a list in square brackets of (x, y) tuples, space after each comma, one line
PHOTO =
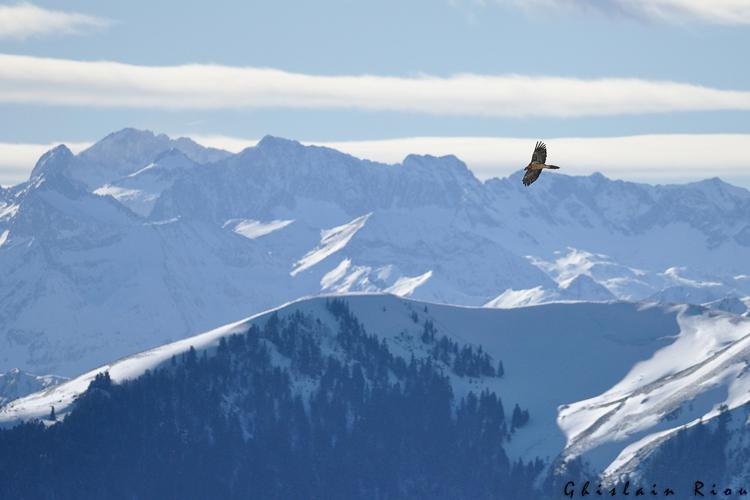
[(554, 167)]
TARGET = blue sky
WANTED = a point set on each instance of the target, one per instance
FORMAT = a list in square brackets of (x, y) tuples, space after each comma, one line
[(514, 51)]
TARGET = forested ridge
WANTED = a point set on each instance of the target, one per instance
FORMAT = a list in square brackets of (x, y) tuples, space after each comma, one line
[(276, 413)]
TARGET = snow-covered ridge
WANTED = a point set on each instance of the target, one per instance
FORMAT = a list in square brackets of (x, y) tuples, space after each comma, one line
[(605, 374), (37, 405), (703, 368)]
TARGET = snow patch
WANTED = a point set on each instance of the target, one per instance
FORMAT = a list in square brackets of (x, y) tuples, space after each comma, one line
[(331, 241), (405, 285), (674, 274), (517, 298), (140, 201), (252, 229), (4, 237), (162, 222), (345, 277), (8, 211), (119, 193), (336, 274), (144, 169)]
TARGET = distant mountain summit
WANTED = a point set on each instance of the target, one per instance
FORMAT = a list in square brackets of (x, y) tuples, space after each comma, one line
[(141, 239), (123, 152), (15, 384)]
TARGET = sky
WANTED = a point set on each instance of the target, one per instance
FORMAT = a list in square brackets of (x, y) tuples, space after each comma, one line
[(653, 91)]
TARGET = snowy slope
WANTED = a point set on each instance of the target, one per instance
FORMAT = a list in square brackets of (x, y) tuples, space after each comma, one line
[(603, 375), (701, 369)]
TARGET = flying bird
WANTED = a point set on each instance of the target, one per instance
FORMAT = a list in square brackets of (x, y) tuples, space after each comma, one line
[(534, 169)]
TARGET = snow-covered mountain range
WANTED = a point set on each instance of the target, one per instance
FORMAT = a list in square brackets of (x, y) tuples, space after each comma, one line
[(142, 239), (605, 382)]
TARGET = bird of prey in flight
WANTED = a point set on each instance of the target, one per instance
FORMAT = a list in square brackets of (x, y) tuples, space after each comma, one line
[(534, 168)]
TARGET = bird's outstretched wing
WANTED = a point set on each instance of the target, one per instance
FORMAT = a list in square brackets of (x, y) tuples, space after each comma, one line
[(540, 153), (530, 176)]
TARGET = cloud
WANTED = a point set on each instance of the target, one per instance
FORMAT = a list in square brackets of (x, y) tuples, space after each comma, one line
[(25, 79), (729, 12), (25, 20), (648, 158)]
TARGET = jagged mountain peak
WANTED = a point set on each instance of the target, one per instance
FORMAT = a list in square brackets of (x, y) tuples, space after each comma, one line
[(557, 182), (130, 134), (438, 164), (55, 171), (56, 158), (713, 181), (271, 142), (715, 187), (125, 145), (584, 287), (197, 152), (122, 153), (281, 151), (59, 151), (171, 155)]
